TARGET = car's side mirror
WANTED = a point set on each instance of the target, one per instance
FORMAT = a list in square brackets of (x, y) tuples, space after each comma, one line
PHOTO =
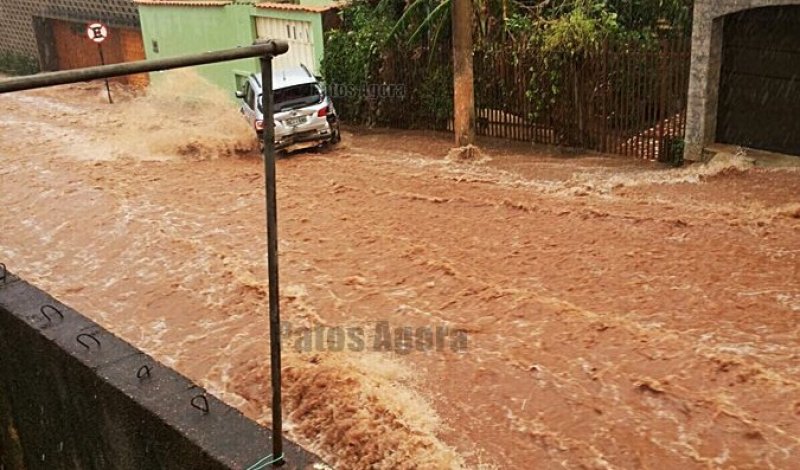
[(239, 94)]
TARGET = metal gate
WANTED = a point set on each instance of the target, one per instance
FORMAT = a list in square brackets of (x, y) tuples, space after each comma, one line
[(299, 36), (759, 95)]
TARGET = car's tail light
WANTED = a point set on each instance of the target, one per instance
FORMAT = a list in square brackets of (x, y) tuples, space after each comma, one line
[(259, 125), (323, 112)]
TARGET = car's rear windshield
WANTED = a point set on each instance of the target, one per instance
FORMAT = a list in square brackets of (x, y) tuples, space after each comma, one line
[(294, 97)]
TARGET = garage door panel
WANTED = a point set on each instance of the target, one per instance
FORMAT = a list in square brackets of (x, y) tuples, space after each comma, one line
[(774, 139), (749, 91), (298, 34), (759, 95), (763, 35), (750, 61), (788, 108)]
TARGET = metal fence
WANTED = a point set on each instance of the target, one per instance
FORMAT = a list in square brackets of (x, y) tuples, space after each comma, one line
[(619, 99)]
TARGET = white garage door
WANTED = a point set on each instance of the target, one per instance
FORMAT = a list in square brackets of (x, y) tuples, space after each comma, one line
[(297, 34)]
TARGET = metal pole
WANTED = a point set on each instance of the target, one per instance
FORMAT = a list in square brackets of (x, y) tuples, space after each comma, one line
[(271, 47), (103, 62), (272, 259)]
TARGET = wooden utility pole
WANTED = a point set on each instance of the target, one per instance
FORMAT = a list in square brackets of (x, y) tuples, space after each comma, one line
[(463, 88)]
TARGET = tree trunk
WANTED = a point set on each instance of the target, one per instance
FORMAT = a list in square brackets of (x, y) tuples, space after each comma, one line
[(463, 88)]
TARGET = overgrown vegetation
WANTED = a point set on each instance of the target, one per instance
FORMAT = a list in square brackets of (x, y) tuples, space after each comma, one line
[(563, 25), (14, 63), (540, 46), (355, 52)]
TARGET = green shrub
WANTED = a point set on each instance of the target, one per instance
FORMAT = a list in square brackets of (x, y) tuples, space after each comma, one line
[(672, 151), (14, 63), (354, 53)]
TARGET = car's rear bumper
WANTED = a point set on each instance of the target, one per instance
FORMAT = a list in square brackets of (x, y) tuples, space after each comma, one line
[(301, 138), (284, 141)]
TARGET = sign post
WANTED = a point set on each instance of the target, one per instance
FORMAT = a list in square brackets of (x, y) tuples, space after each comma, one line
[(98, 33)]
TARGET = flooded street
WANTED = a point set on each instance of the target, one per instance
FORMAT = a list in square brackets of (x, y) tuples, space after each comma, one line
[(584, 311)]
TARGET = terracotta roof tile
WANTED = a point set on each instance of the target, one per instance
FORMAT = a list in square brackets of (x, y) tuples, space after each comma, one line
[(186, 3), (295, 7)]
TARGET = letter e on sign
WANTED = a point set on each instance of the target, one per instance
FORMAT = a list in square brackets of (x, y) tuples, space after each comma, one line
[(97, 32)]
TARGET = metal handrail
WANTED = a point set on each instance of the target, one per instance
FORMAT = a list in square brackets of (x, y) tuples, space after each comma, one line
[(271, 47)]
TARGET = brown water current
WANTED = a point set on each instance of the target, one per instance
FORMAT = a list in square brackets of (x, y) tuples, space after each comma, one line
[(612, 313)]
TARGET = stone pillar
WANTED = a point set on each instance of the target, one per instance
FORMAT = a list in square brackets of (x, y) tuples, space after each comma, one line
[(701, 116)]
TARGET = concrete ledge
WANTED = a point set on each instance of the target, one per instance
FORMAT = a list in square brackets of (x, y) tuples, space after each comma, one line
[(758, 158), (104, 404)]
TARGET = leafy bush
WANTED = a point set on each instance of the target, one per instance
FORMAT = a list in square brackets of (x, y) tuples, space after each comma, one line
[(433, 98), (672, 151), (580, 30), (15, 63), (354, 53)]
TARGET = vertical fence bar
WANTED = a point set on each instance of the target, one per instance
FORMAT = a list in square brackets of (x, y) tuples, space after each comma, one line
[(614, 87), (662, 99), (519, 102), (633, 97), (635, 112), (647, 92), (636, 103), (497, 89), (657, 92), (655, 82), (652, 104), (648, 106), (521, 119)]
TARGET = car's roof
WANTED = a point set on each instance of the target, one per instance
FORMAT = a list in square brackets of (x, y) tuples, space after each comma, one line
[(288, 77)]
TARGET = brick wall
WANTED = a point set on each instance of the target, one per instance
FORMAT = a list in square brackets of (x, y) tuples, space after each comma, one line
[(133, 49), (74, 50), (16, 18)]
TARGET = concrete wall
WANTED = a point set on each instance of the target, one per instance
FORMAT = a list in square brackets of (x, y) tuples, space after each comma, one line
[(171, 29), (704, 79), (16, 18), (66, 406)]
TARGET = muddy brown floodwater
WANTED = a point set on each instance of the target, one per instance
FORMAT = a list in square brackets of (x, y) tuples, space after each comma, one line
[(612, 313)]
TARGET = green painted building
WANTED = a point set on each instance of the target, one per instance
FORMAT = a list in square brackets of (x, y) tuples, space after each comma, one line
[(175, 27)]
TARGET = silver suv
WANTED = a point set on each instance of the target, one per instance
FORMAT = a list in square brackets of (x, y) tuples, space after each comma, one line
[(303, 112)]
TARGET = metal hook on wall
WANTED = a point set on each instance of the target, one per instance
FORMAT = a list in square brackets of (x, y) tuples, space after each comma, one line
[(52, 309), (87, 335), (201, 403), (143, 372)]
